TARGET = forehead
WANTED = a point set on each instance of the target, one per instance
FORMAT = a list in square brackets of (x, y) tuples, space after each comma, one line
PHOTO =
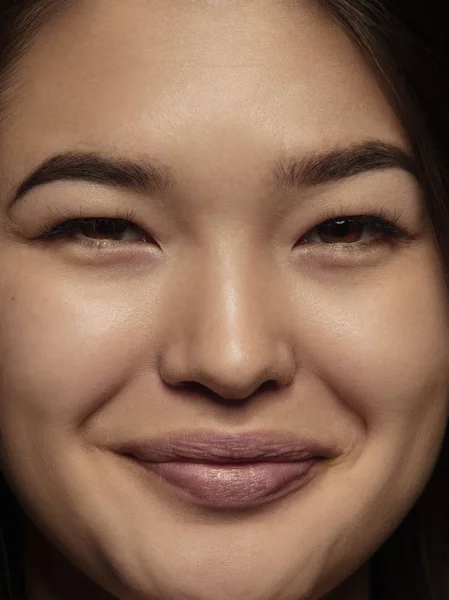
[(150, 75)]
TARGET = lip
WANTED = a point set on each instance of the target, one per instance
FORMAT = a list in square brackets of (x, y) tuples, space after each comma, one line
[(233, 486), (222, 448), (229, 470)]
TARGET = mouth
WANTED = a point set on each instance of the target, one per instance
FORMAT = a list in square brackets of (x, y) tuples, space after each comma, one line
[(228, 471)]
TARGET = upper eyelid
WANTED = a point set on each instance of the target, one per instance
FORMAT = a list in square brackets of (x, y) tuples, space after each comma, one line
[(366, 218), (343, 205)]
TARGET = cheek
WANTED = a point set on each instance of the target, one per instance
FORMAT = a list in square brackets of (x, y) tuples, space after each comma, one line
[(67, 345), (69, 342), (381, 344)]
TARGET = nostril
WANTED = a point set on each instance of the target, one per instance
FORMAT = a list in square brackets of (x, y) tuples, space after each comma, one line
[(194, 387), (199, 389), (269, 386)]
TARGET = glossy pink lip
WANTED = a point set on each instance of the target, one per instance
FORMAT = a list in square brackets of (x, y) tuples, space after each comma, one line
[(227, 470), (234, 486)]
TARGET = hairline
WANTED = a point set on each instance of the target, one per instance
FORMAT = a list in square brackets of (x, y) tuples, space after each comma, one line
[(27, 24)]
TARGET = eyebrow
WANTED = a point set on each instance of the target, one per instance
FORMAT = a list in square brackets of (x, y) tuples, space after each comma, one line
[(149, 177), (342, 163), (143, 176)]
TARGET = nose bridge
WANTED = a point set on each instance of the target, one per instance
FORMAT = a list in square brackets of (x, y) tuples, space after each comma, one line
[(231, 335), (234, 310)]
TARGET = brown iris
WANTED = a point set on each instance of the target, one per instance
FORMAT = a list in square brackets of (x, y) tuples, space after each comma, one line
[(112, 229), (341, 230)]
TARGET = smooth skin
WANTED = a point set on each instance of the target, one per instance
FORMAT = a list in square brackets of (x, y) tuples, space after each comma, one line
[(98, 338)]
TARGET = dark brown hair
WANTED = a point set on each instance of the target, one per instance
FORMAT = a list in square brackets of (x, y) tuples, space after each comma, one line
[(405, 42)]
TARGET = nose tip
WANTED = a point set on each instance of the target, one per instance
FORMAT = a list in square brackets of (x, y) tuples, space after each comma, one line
[(232, 333), (228, 372)]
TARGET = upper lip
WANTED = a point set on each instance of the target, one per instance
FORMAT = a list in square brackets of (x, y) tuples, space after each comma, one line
[(207, 447)]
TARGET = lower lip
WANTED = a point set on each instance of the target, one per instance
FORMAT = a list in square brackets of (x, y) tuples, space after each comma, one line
[(234, 486)]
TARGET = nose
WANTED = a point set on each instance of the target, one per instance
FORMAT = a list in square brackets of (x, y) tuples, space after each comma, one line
[(231, 333)]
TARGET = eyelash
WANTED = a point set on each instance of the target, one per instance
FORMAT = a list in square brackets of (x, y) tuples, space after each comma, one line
[(64, 228), (375, 218)]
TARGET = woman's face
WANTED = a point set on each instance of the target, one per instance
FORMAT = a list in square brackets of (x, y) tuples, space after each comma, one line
[(225, 309)]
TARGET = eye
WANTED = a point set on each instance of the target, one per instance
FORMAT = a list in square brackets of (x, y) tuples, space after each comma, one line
[(360, 230), (98, 229)]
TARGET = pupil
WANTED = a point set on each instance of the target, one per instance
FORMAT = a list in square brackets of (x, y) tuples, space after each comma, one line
[(340, 229), (105, 228)]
